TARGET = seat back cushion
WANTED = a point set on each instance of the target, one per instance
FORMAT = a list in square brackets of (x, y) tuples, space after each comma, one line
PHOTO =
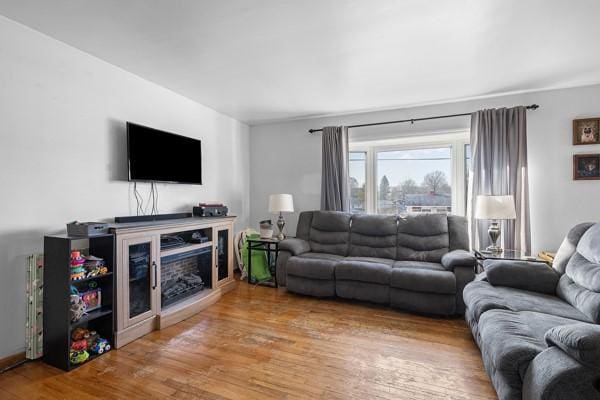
[(458, 231), (330, 232), (568, 246), (584, 300), (373, 236), (304, 223), (423, 237)]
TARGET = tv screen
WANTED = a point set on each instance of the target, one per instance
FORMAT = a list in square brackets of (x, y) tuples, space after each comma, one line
[(158, 156)]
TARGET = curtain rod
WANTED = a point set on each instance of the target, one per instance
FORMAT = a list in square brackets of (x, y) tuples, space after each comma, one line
[(413, 120)]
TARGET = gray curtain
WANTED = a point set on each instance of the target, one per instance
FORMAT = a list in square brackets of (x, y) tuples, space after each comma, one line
[(334, 176), (499, 167)]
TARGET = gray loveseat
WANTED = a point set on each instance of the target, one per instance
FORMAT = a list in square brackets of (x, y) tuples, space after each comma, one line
[(537, 327), (418, 263)]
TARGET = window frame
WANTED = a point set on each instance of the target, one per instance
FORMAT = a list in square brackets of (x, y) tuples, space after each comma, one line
[(455, 140)]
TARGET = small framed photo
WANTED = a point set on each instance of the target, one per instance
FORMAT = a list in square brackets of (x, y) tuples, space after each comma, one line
[(586, 131), (586, 166)]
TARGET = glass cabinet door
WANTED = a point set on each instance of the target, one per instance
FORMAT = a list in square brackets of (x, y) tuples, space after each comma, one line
[(222, 254), (140, 278)]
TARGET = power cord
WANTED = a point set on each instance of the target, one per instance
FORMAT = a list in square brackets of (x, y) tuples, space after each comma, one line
[(152, 200), (138, 199)]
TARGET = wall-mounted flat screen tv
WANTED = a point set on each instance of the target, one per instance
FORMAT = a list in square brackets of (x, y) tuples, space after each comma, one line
[(158, 156)]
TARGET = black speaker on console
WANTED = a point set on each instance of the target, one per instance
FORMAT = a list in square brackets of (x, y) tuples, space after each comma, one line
[(210, 211)]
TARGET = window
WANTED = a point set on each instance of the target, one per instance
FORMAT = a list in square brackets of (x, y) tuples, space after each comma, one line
[(425, 174), (414, 181), (358, 179)]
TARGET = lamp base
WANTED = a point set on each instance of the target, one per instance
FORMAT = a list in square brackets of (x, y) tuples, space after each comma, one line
[(494, 232), (280, 226)]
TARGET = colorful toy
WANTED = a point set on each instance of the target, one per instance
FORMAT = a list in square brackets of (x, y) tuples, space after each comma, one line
[(79, 345), (91, 338), (92, 298), (80, 333), (78, 308), (100, 346), (77, 262), (95, 266), (78, 357)]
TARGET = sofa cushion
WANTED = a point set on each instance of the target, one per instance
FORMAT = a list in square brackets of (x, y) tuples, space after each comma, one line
[(458, 258), (423, 280), (322, 256), (480, 296), (589, 244), (580, 340), (568, 246), (303, 225), (419, 265), (584, 272), (509, 341), (311, 266), (526, 275), (363, 271), (586, 301), (377, 260), (295, 246), (423, 237), (330, 232), (458, 231), (373, 236)]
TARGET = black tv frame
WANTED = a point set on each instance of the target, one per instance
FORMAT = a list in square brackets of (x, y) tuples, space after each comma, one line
[(159, 181)]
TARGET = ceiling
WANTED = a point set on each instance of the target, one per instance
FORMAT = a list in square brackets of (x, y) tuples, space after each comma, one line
[(267, 60)]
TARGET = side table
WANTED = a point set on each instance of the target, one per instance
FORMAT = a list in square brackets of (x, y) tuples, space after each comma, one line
[(271, 247), (516, 255)]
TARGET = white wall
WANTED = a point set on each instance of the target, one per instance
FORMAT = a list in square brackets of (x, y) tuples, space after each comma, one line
[(286, 159), (63, 152)]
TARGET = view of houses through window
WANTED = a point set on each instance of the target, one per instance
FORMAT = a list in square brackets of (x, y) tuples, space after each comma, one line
[(414, 181), (410, 180)]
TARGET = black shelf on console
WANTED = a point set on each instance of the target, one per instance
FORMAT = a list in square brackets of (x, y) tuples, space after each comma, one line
[(57, 285), (92, 315), (92, 278)]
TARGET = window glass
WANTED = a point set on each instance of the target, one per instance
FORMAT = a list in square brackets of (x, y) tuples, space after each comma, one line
[(358, 175), (414, 181)]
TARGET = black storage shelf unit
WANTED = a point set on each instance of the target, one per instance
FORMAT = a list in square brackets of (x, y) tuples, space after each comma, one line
[(57, 283)]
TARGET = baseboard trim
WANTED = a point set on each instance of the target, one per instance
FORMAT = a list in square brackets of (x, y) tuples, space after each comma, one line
[(11, 360)]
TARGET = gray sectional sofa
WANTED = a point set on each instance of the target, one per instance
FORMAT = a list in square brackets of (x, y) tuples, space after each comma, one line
[(418, 263), (537, 327)]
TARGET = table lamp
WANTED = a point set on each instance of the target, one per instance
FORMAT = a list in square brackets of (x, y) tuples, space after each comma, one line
[(495, 208), (280, 203)]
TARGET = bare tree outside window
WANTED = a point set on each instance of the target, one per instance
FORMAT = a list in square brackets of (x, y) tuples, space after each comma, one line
[(414, 181), (436, 183)]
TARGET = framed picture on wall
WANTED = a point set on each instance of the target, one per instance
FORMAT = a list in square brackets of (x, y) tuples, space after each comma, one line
[(586, 166), (586, 131)]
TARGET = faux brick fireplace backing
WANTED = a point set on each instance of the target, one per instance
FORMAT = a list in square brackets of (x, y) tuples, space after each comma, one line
[(184, 275)]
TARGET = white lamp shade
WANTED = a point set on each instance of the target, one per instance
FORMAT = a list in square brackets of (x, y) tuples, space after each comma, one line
[(495, 207), (281, 203)]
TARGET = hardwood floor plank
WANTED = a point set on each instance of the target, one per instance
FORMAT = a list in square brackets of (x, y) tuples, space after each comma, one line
[(261, 343)]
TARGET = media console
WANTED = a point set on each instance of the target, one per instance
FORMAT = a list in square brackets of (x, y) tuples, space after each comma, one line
[(168, 270)]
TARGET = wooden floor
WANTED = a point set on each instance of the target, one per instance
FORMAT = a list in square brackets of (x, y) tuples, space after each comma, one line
[(264, 343)]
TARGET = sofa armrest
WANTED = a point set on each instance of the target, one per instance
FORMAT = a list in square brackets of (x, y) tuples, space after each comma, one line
[(295, 246), (553, 375), (458, 258), (525, 275), (580, 341)]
